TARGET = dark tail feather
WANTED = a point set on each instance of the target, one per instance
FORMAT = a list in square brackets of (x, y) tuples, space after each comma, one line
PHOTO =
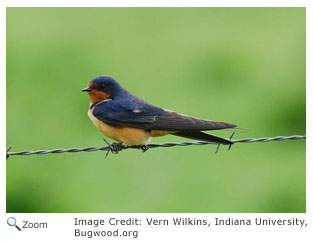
[(198, 135)]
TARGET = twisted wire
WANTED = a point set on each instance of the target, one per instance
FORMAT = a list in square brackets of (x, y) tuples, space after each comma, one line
[(167, 144)]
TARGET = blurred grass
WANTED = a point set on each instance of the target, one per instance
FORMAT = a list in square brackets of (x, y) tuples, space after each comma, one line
[(241, 65)]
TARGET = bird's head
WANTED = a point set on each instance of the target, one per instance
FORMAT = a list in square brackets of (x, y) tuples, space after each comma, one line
[(102, 88)]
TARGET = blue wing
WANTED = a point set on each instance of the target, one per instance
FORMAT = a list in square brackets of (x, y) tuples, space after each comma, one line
[(141, 115), (136, 113)]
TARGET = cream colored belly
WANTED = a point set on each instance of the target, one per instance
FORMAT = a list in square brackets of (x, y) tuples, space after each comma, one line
[(127, 135)]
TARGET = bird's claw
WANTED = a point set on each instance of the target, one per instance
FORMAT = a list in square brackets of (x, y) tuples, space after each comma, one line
[(144, 148), (114, 147)]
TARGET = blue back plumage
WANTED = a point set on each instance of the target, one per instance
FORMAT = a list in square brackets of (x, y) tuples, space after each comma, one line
[(124, 106)]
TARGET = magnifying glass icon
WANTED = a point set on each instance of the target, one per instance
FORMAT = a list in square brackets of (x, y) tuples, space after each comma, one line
[(12, 222)]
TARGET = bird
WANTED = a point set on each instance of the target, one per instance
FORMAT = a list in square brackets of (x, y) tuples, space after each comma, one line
[(131, 121)]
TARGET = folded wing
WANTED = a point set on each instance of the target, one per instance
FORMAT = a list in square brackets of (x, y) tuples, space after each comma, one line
[(173, 121), (148, 117)]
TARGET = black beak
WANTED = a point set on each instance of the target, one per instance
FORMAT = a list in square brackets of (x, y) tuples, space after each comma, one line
[(86, 89)]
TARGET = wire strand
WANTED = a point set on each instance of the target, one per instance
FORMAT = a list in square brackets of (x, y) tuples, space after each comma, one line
[(149, 146)]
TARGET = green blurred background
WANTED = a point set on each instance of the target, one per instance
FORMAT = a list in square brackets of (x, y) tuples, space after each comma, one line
[(240, 65)]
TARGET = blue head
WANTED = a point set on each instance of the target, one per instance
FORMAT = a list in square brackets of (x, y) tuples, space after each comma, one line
[(102, 88)]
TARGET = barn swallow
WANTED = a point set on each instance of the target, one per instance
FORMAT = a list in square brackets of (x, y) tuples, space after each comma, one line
[(121, 116)]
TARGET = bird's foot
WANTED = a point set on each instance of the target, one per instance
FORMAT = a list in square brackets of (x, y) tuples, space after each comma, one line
[(115, 147), (144, 148)]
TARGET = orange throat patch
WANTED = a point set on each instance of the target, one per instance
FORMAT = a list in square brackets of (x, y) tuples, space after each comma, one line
[(96, 96)]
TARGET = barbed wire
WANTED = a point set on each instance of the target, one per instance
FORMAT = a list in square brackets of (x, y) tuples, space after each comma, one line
[(108, 148)]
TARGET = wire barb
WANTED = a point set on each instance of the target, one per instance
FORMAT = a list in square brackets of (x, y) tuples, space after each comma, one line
[(218, 145), (8, 155), (231, 136), (168, 144), (109, 148)]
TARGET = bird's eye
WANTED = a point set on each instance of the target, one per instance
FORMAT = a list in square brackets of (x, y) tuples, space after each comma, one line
[(101, 87)]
